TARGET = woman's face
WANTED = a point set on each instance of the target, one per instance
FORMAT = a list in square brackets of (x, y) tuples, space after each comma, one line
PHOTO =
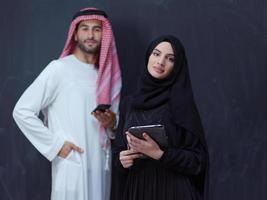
[(161, 61)]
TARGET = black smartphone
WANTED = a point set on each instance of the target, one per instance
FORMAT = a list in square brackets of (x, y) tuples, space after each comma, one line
[(101, 108)]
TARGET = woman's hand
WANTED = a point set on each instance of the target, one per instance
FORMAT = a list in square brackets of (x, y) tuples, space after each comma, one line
[(127, 157), (148, 146)]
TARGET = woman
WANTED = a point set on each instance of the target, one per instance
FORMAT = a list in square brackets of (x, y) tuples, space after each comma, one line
[(165, 97)]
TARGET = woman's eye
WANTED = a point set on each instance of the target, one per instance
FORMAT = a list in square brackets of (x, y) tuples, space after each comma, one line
[(171, 59), (155, 53)]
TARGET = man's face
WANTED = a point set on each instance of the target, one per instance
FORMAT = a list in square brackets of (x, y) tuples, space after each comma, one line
[(88, 36)]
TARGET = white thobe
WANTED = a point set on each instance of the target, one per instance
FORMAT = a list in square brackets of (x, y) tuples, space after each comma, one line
[(66, 92)]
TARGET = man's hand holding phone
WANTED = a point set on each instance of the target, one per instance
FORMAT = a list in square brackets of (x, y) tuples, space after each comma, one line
[(101, 108), (105, 116)]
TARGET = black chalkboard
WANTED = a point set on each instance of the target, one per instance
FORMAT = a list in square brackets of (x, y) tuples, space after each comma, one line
[(226, 45)]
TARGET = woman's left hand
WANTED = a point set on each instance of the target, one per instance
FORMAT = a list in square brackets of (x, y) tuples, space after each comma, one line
[(148, 146)]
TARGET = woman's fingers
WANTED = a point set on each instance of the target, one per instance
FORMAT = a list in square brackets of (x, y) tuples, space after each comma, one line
[(132, 139), (135, 143), (127, 165), (127, 157), (148, 138), (129, 154)]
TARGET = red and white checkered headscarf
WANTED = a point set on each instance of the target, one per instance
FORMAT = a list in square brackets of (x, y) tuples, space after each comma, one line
[(109, 77)]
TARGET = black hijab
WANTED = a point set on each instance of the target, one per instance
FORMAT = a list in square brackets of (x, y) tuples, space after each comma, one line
[(175, 90)]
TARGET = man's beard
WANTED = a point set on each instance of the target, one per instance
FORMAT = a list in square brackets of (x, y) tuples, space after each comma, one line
[(90, 50)]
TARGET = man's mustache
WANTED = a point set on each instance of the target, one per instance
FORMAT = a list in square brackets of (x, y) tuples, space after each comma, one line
[(90, 40)]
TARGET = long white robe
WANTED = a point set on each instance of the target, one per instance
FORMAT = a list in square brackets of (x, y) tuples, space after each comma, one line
[(66, 92)]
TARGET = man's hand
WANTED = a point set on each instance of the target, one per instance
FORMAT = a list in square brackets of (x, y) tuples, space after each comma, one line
[(107, 119), (67, 148)]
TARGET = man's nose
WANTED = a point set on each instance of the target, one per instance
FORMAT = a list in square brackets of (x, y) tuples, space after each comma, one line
[(90, 34)]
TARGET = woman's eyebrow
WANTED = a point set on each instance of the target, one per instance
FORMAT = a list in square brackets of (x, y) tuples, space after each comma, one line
[(169, 54), (157, 50)]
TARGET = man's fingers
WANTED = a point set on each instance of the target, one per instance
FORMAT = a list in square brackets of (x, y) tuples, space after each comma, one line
[(67, 148), (107, 118), (98, 117), (76, 148), (101, 117)]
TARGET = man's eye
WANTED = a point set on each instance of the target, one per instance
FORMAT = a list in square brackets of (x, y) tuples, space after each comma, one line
[(98, 29)]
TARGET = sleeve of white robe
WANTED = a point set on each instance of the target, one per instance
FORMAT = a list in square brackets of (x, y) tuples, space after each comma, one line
[(39, 95)]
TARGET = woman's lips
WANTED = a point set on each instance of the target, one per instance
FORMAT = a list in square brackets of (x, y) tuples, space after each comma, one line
[(158, 69)]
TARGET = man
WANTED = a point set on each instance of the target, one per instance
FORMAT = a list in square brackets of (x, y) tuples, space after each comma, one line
[(67, 91)]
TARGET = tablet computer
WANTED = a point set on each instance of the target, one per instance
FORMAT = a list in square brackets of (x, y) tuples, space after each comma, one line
[(156, 132)]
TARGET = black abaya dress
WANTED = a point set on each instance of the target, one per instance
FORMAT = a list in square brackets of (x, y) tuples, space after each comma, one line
[(174, 176)]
